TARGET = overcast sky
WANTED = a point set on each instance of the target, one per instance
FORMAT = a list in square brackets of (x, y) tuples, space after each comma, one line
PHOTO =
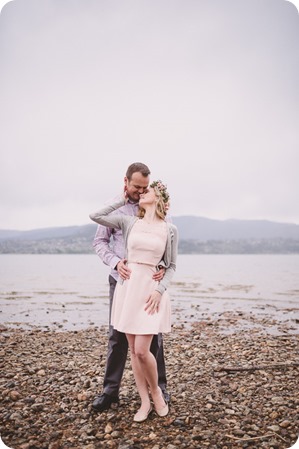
[(203, 91)]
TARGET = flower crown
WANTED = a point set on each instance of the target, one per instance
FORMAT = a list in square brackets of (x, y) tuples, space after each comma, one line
[(162, 189)]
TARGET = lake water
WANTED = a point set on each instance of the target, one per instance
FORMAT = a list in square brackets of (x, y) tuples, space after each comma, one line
[(71, 291)]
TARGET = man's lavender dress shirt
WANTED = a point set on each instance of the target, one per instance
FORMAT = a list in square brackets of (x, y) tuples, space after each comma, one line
[(108, 242)]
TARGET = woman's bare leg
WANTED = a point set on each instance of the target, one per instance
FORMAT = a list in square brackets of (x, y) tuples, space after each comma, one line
[(139, 376), (148, 367)]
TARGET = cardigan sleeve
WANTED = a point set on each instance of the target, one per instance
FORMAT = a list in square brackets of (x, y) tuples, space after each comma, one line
[(164, 283), (102, 216)]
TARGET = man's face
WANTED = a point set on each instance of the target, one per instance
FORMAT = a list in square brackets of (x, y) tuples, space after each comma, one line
[(137, 185)]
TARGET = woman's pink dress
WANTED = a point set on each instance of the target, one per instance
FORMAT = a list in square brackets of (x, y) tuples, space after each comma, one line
[(146, 246)]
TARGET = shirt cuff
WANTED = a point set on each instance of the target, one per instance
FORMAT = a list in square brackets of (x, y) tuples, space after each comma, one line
[(114, 261)]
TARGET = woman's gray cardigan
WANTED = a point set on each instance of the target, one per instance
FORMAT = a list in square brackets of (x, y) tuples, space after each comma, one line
[(125, 223)]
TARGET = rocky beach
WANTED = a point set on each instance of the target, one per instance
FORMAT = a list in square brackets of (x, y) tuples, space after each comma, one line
[(232, 385)]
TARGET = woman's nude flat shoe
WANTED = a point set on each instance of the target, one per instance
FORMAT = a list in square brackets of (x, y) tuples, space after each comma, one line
[(162, 411), (141, 416)]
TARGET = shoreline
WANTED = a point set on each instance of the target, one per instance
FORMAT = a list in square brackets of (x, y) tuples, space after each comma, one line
[(71, 293), (226, 316), (231, 390)]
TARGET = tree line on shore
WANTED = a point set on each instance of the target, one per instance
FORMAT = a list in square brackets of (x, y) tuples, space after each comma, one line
[(81, 245), (197, 235)]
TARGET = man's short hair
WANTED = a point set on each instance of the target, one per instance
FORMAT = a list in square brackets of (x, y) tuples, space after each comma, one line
[(137, 167)]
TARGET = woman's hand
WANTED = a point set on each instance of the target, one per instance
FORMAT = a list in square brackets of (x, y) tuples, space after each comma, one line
[(123, 270), (126, 196), (153, 303), (158, 276)]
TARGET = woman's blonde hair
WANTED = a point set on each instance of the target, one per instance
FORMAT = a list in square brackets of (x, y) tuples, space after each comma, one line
[(162, 195)]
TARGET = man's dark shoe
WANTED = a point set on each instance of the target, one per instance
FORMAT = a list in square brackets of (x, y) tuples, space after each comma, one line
[(103, 402)]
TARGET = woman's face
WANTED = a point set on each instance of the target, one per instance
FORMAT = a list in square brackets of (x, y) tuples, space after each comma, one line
[(148, 197)]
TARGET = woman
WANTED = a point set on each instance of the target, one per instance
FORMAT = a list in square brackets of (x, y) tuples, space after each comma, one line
[(141, 305)]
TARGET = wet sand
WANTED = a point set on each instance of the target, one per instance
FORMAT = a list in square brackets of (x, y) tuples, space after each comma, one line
[(229, 309)]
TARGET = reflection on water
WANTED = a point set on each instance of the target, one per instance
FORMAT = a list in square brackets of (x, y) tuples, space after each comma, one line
[(71, 291)]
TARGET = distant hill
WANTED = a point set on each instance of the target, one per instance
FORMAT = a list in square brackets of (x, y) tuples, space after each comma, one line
[(199, 228), (60, 240), (197, 235), (48, 233)]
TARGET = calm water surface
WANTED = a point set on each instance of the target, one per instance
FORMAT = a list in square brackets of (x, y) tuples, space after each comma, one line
[(71, 291)]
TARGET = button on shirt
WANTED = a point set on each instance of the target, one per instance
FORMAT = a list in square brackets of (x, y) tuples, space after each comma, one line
[(109, 243)]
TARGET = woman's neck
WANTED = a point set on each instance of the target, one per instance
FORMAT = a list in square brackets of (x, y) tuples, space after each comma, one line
[(150, 215)]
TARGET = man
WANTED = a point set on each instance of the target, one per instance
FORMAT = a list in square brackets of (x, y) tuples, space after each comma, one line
[(109, 246)]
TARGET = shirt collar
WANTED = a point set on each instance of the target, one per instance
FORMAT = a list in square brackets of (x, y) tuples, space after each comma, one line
[(132, 202)]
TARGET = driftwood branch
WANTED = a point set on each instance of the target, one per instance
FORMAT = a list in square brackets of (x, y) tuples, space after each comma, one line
[(255, 438), (257, 367)]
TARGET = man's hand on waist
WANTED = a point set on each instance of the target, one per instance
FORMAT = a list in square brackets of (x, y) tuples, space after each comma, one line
[(123, 270), (158, 276)]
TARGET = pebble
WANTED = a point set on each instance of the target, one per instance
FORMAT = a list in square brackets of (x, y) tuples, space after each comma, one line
[(49, 379)]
